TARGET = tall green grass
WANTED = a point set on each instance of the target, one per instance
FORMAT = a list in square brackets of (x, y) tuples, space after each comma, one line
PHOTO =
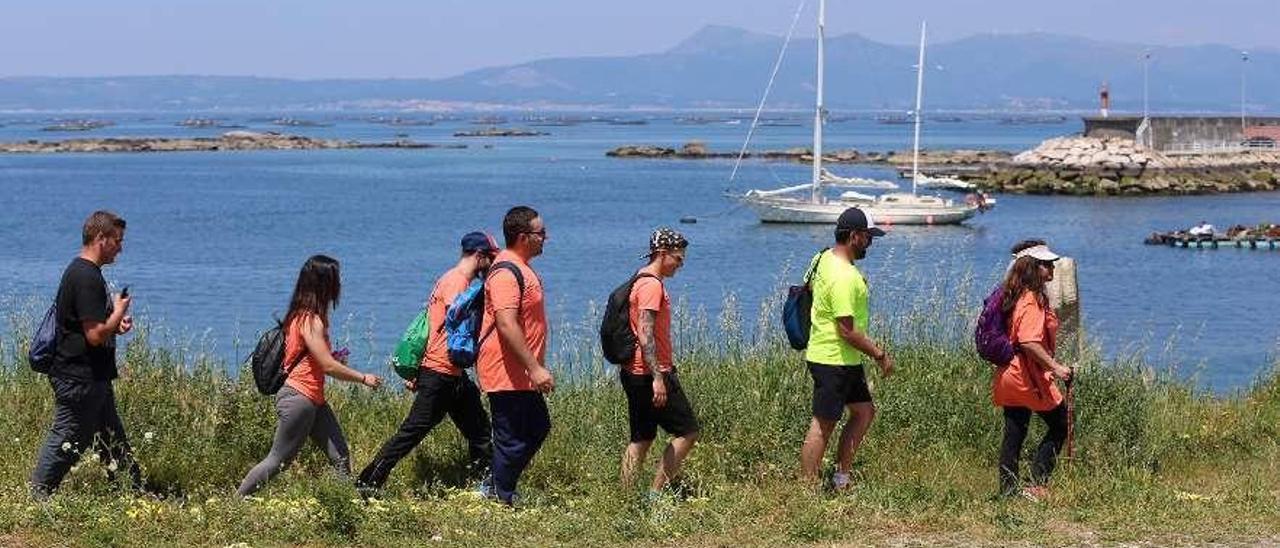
[(1155, 458)]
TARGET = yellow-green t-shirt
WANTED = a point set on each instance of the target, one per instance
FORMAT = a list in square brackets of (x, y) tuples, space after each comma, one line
[(839, 290)]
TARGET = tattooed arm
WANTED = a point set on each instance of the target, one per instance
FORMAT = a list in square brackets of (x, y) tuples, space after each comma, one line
[(649, 353)]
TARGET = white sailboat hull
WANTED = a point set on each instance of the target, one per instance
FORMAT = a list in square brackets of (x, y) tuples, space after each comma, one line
[(782, 210), (912, 209), (888, 210)]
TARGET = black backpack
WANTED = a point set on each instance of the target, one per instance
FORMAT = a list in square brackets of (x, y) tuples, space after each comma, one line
[(617, 340), (267, 360), (44, 344)]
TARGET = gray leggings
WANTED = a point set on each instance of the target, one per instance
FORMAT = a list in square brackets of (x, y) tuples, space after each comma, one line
[(298, 420)]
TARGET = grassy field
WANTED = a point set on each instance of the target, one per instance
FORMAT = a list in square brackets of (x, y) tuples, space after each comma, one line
[(1156, 461)]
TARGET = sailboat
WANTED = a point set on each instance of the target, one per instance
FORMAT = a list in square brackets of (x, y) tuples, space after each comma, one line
[(915, 208), (784, 206)]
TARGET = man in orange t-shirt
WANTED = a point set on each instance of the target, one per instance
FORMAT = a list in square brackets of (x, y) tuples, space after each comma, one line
[(441, 388), (513, 347), (654, 395)]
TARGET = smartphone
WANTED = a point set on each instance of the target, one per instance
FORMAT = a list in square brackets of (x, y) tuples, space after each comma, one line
[(125, 292)]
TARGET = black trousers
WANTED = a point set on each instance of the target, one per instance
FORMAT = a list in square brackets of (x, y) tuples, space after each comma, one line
[(1016, 421), (84, 418), (438, 395)]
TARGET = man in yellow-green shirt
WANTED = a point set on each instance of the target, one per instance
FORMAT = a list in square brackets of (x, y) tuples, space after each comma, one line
[(839, 346)]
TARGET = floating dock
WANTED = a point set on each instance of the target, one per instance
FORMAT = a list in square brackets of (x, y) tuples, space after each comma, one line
[(1203, 242), (1260, 236)]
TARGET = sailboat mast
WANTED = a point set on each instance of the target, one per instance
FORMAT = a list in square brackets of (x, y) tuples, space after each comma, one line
[(818, 111), (915, 152)]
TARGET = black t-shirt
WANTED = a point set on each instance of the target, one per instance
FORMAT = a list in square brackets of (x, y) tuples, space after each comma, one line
[(82, 296)]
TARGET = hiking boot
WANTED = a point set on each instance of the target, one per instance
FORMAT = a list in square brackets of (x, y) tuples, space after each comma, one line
[(512, 504)]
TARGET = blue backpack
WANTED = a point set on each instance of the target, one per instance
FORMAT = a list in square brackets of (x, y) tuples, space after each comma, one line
[(463, 318), (44, 342), (796, 319)]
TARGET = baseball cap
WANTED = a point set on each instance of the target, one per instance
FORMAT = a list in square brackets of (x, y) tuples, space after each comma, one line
[(665, 238), (479, 241), (855, 219)]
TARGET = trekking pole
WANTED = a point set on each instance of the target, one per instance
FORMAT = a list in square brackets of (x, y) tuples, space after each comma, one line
[(1071, 417)]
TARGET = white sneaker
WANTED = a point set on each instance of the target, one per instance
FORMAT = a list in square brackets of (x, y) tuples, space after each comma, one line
[(840, 481), (485, 489)]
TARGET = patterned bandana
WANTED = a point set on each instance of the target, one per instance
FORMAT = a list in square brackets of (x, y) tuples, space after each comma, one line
[(666, 238)]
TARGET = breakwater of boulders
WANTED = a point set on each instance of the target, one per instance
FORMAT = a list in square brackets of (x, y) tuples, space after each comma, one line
[(1119, 167)]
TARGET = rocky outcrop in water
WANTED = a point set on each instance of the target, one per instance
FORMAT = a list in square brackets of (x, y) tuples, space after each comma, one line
[(944, 158), (501, 132), (933, 159), (231, 140), (692, 150)]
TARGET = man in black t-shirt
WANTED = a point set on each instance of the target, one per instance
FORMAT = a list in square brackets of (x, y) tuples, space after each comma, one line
[(84, 363)]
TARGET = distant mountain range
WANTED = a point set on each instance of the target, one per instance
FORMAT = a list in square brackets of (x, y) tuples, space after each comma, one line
[(724, 67)]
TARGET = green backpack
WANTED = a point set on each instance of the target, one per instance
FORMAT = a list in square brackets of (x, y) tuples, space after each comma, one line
[(413, 343)]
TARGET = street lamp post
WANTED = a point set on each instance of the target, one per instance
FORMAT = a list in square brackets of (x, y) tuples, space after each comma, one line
[(1146, 70), (1244, 61)]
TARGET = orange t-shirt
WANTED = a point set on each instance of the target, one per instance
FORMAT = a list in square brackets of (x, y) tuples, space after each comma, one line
[(306, 377), (436, 358), (1023, 383), (649, 294), (498, 369)]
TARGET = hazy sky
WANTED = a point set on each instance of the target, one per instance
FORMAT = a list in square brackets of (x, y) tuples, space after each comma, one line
[(435, 38)]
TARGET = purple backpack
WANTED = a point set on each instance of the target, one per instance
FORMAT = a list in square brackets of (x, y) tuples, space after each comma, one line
[(992, 336)]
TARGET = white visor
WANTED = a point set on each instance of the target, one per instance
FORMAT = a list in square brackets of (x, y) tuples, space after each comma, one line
[(1039, 252)]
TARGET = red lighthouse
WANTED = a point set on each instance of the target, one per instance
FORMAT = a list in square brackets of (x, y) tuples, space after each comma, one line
[(1104, 95)]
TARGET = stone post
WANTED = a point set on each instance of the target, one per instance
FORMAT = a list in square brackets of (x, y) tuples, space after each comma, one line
[(1064, 297)]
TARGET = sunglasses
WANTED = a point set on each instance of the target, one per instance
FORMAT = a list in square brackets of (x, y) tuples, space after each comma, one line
[(540, 233), (1047, 264)]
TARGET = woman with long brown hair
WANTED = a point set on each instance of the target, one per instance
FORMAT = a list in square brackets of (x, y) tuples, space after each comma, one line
[(1026, 384), (300, 404)]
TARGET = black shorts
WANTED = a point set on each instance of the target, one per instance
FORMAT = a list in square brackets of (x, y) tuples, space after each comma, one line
[(835, 386), (676, 418)]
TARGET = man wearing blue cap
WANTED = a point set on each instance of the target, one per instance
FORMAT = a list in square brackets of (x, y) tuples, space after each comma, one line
[(839, 346), (441, 388)]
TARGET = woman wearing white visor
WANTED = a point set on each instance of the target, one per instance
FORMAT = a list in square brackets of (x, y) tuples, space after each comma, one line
[(1026, 384)]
